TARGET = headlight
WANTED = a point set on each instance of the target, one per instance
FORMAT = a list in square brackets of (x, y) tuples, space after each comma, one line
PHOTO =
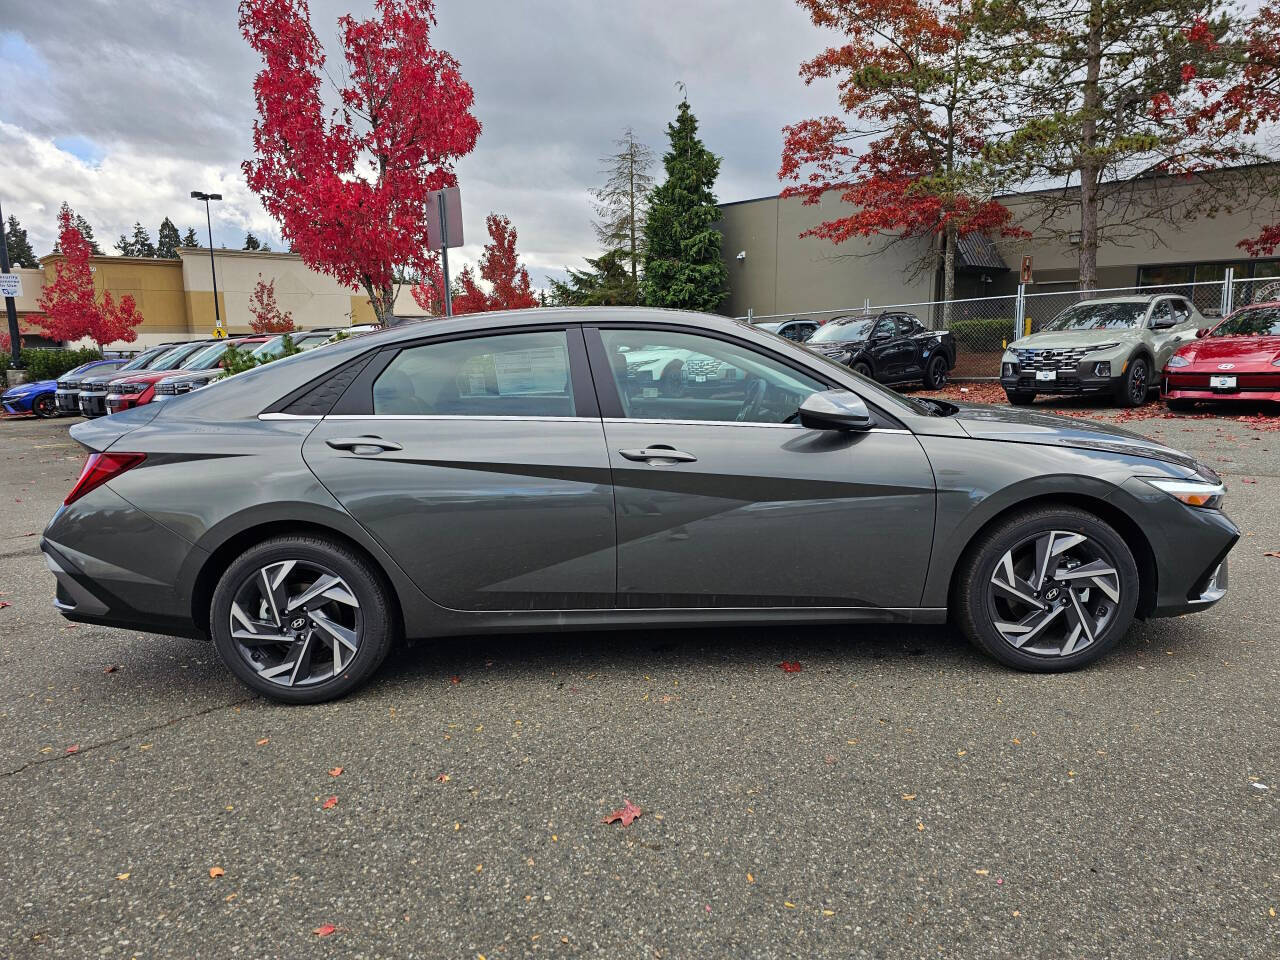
[(1194, 493), (1100, 347), (1177, 360), (127, 388), (1009, 357), (1276, 361)]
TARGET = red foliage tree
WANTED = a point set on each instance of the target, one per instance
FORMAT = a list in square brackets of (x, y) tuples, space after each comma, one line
[(919, 104), (267, 315), (69, 309), (350, 190), (500, 267)]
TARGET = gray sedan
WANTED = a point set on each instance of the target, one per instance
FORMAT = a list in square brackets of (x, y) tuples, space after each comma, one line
[(506, 471)]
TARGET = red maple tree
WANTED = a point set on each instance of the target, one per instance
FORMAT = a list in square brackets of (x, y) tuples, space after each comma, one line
[(500, 267), (906, 157), (267, 315), (349, 184), (69, 309)]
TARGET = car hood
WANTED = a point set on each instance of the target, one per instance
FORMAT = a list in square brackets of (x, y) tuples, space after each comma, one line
[(25, 389), (1253, 351), (144, 376), (1055, 339), (1027, 426), (842, 342)]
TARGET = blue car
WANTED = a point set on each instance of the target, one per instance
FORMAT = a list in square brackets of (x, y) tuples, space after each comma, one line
[(34, 398)]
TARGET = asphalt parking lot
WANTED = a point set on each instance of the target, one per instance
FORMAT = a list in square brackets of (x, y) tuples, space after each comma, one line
[(898, 796)]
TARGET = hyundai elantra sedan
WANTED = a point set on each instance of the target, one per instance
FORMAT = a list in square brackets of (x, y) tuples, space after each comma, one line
[(510, 472)]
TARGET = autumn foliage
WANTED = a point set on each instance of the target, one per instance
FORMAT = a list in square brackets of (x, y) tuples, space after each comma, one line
[(69, 308), (349, 183), (500, 267), (267, 315)]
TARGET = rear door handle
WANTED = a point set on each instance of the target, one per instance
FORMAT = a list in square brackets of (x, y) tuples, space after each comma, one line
[(351, 443), (659, 453)]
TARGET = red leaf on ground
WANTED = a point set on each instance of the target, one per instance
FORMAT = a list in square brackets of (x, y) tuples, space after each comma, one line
[(335, 772), (110, 668), (324, 930), (790, 666), (627, 814), (330, 803), (5, 603), (454, 680), (74, 748), (1272, 553), (1247, 480)]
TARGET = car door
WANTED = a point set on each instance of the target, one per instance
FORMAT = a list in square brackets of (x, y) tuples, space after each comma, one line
[(722, 500), (910, 332), (1166, 330), (479, 463), (885, 348)]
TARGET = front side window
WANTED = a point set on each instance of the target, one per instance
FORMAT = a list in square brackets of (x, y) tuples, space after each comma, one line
[(909, 326), (510, 375), (884, 329), (1181, 311), (667, 375), (1161, 314)]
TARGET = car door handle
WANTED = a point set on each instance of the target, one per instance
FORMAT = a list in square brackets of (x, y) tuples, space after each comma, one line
[(350, 443), (659, 452)]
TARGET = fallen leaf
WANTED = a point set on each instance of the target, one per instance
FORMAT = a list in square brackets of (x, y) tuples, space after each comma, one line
[(790, 666), (324, 930), (443, 778), (145, 746), (122, 876), (627, 814), (788, 904), (216, 872), (335, 772), (982, 873), (455, 680), (230, 896), (5, 603), (110, 668), (829, 759), (750, 878), (828, 913), (908, 796), (264, 741), (74, 748), (1269, 553), (330, 803), (919, 826)]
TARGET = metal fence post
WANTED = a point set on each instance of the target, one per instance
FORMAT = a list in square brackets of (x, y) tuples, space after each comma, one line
[(1019, 312), (1227, 279)]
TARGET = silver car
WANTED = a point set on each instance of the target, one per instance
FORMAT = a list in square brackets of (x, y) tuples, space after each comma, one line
[(1115, 347)]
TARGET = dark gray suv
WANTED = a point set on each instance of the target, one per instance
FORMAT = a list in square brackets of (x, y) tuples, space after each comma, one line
[(510, 471)]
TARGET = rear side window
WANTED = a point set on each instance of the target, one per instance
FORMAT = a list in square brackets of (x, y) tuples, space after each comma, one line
[(909, 326), (510, 375)]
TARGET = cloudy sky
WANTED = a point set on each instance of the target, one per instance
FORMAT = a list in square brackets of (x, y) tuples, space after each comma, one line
[(122, 107)]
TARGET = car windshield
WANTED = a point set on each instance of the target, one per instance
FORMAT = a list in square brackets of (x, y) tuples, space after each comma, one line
[(143, 360), (169, 358), (843, 328), (1262, 322), (1100, 316), (206, 358)]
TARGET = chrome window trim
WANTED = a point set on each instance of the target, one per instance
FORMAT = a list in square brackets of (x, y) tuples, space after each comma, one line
[(653, 422), (448, 416)]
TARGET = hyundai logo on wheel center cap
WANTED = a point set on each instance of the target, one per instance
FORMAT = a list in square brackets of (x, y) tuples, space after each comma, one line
[(298, 623)]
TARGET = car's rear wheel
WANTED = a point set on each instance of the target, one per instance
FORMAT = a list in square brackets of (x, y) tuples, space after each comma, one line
[(1182, 406), (45, 406), (302, 619), (935, 374), (862, 368), (1020, 398), (1136, 384), (1048, 589)]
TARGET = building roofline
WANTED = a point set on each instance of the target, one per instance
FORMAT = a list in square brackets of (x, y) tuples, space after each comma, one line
[(182, 252)]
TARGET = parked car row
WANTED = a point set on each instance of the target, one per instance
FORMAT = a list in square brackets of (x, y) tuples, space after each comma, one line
[(161, 372)]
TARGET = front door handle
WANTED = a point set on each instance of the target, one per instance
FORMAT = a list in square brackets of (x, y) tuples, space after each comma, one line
[(351, 443), (659, 453)]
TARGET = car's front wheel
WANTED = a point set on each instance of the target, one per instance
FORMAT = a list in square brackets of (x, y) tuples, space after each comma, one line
[(1135, 384), (1047, 589), (862, 368), (935, 374), (45, 406), (302, 619)]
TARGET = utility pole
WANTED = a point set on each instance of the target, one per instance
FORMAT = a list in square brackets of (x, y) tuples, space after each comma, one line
[(444, 254), (206, 197), (10, 308)]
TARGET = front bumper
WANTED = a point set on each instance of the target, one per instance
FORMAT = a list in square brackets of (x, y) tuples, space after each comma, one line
[(92, 404), (124, 401), (16, 406), (1065, 382), (1249, 387), (68, 401)]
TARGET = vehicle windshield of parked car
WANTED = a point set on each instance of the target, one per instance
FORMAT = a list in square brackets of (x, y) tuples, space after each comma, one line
[(1264, 322), (1100, 316), (843, 328), (170, 358), (207, 358), (143, 360), (275, 345)]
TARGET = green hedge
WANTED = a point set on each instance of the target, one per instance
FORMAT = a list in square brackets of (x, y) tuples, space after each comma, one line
[(51, 364), (983, 335)]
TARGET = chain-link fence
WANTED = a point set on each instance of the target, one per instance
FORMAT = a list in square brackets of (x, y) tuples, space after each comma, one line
[(982, 326)]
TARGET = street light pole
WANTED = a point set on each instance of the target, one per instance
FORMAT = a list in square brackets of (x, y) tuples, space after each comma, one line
[(206, 197), (15, 350)]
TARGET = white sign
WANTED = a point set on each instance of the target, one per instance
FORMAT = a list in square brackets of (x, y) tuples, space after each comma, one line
[(10, 285), (449, 233)]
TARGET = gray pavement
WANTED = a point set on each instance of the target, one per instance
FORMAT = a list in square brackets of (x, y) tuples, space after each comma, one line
[(900, 796)]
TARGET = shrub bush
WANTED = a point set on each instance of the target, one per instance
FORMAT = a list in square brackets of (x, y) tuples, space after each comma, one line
[(982, 334), (50, 364)]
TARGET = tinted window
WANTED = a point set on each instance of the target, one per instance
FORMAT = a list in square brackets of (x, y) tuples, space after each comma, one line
[(1161, 312), (665, 375), (1100, 316), (1181, 310), (513, 375), (1258, 322), (842, 328), (909, 326), (884, 328)]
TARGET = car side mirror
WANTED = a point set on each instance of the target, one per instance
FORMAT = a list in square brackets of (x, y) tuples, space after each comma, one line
[(1163, 323), (834, 410), (1202, 333)]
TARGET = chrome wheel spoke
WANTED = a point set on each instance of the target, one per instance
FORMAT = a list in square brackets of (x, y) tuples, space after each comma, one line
[(1027, 629), (1082, 625), (1005, 579), (327, 582)]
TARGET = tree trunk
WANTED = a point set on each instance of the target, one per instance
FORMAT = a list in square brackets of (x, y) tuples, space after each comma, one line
[(1088, 165), (383, 301), (948, 273)]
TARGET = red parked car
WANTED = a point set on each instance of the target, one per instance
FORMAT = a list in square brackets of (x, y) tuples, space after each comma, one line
[(1239, 359), (133, 391)]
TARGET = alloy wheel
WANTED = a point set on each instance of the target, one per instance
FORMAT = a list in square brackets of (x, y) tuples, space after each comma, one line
[(1054, 594), (296, 622), (1138, 382)]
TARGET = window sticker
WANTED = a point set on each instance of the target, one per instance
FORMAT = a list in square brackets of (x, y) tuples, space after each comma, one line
[(538, 370)]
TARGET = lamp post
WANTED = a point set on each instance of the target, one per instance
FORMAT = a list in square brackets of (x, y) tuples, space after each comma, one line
[(9, 308), (206, 197)]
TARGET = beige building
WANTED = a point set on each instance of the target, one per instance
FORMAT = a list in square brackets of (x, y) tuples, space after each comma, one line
[(773, 270), (175, 297)]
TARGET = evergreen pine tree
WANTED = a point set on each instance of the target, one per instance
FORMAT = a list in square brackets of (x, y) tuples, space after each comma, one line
[(141, 240), (81, 224), (126, 247), (15, 238), (189, 239), (683, 268), (621, 204), (251, 242), (167, 240), (607, 283)]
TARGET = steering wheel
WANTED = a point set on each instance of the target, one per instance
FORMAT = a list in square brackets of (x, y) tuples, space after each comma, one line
[(751, 402)]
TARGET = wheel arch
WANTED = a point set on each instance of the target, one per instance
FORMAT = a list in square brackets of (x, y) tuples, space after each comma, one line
[(1129, 531)]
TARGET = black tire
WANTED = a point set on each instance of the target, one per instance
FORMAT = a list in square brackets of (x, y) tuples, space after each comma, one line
[(1180, 406), (935, 374), (976, 611), (862, 368), (376, 629), (45, 406), (1020, 398), (1136, 383)]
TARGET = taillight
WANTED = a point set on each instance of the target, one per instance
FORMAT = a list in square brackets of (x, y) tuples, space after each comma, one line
[(99, 468)]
